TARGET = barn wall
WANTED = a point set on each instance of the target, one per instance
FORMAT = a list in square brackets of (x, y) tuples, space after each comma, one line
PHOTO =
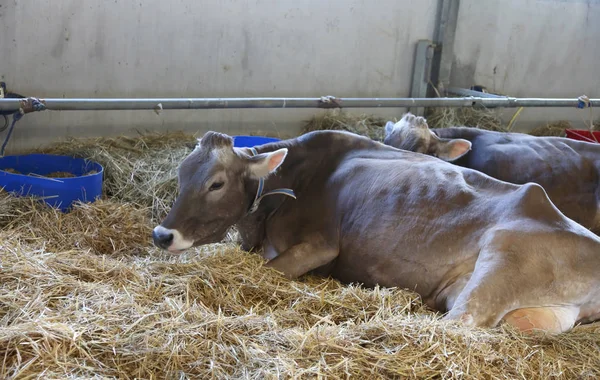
[(530, 48), (237, 48), (204, 48)]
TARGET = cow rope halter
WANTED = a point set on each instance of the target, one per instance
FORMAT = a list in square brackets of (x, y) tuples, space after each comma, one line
[(261, 186)]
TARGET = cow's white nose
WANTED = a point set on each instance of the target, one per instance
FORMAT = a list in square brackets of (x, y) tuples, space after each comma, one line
[(162, 237), (171, 240)]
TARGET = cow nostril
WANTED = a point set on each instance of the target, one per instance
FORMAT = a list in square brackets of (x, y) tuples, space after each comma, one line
[(162, 238)]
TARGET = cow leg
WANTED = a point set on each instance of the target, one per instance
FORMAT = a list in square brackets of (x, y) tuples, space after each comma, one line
[(596, 224), (596, 229), (494, 294), (474, 308), (498, 288), (485, 297), (303, 258)]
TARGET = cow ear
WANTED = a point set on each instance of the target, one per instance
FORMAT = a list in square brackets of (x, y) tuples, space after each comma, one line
[(450, 150), (389, 127), (264, 164)]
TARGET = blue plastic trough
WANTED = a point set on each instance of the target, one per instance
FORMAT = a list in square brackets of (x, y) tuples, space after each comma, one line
[(250, 141), (61, 193)]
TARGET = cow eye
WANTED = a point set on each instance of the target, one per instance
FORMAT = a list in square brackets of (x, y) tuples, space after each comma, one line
[(216, 186)]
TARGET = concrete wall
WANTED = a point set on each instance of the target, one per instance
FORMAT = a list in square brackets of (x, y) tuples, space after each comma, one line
[(530, 48), (203, 48), (239, 48)]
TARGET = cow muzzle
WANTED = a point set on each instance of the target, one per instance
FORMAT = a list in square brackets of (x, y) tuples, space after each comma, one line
[(170, 240)]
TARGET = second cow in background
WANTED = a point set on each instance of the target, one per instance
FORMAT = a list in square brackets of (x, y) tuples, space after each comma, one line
[(567, 169)]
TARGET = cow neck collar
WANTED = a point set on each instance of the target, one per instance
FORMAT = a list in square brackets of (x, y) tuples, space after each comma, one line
[(261, 186)]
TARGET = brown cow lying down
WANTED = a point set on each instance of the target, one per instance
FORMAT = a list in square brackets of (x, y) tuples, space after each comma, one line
[(486, 251), (567, 169)]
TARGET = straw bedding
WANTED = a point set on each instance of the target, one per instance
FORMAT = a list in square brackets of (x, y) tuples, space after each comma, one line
[(362, 124), (471, 117), (141, 171), (84, 295), (488, 119)]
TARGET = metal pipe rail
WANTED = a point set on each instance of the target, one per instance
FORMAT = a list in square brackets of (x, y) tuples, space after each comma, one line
[(327, 102)]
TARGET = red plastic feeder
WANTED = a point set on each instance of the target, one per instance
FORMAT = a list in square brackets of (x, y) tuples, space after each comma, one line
[(583, 135)]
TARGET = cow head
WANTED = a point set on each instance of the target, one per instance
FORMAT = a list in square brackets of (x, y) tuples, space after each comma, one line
[(412, 133), (212, 192)]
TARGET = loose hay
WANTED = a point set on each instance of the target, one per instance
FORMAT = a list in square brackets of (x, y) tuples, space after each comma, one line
[(467, 116), (373, 126), (552, 129), (140, 170), (85, 296), (11, 170), (366, 125), (482, 118)]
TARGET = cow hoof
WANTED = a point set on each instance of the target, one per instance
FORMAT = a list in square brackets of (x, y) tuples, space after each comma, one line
[(464, 318), (467, 319)]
